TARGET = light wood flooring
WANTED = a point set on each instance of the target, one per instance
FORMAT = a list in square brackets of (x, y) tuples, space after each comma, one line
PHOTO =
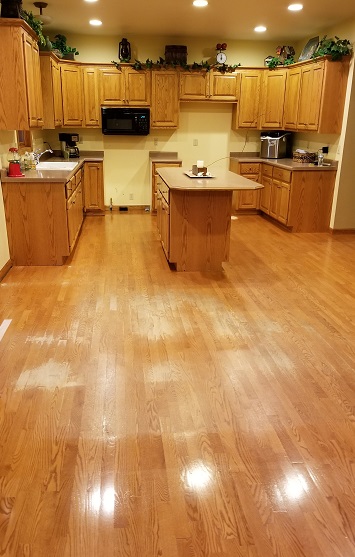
[(149, 413)]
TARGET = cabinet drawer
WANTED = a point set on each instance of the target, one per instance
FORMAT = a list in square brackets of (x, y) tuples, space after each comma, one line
[(253, 177), (281, 174), (163, 188), (267, 170), (70, 186), (249, 168), (77, 177)]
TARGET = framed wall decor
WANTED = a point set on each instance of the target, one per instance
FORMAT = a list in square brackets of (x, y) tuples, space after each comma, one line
[(309, 49)]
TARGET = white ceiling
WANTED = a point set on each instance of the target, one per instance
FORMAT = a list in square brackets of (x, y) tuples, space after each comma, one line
[(227, 19)]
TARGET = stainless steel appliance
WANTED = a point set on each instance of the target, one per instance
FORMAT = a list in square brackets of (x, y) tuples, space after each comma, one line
[(125, 121), (68, 143), (275, 144)]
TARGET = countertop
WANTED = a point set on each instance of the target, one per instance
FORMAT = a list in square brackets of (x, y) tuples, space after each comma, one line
[(287, 164), (163, 156), (223, 180), (54, 175)]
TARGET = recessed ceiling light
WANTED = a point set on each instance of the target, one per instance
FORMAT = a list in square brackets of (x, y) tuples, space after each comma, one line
[(260, 29), (200, 3), (96, 22), (295, 7)]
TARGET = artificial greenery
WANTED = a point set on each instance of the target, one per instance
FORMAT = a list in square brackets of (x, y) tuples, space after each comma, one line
[(35, 24), (60, 43), (150, 65), (334, 47), (275, 61)]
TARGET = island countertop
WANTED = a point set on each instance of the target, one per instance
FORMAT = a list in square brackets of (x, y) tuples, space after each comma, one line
[(222, 180)]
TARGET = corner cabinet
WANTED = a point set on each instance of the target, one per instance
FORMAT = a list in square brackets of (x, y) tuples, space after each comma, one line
[(21, 106)]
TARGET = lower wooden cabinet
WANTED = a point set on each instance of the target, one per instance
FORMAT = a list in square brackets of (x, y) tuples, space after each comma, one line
[(75, 213), (155, 178), (93, 188), (246, 201)]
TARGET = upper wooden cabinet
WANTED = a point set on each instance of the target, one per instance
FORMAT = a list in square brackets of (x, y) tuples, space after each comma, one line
[(315, 95), (124, 86), (247, 112), (165, 99), (20, 91), (91, 111), (51, 91), (212, 86), (72, 94), (272, 99)]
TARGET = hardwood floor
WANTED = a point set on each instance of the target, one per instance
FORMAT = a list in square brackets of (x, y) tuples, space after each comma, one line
[(149, 413)]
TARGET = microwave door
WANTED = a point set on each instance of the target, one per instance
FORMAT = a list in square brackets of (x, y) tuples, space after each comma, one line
[(120, 123)]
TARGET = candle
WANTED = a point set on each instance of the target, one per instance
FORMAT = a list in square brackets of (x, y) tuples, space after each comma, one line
[(200, 164)]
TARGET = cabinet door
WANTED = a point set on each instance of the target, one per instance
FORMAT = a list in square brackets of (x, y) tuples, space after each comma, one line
[(165, 99), (248, 111), (274, 199), (247, 200), (111, 86), (224, 87), (273, 98), (310, 96), (265, 196), (51, 91), (33, 82), (57, 93), (72, 95), (93, 187), (284, 200), (293, 84), (165, 227), (91, 97), (137, 87), (193, 85)]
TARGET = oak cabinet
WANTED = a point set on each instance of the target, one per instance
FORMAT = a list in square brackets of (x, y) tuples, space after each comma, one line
[(124, 86), (266, 180), (315, 96), (246, 112), (212, 86), (72, 94), (155, 180), (165, 99), (91, 112), (51, 91), (21, 105), (93, 188), (272, 99), (246, 201), (75, 213), (163, 215)]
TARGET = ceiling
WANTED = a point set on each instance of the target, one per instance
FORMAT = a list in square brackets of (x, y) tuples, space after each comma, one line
[(225, 19)]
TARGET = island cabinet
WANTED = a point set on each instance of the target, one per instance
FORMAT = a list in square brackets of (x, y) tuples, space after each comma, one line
[(21, 106), (51, 90), (165, 100), (246, 201), (155, 178), (299, 199), (211, 86), (71, 79), (74, 192), (93, 188), (194, 217), (315, 95), (124, 86)]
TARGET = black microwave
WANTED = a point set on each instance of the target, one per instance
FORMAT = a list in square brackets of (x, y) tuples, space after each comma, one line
[(125, 121)]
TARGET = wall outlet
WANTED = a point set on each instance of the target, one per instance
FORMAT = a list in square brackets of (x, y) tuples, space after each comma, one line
[(195, 142), (155, 141), (131, 196)]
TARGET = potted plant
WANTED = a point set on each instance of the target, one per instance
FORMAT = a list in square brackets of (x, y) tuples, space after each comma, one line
[(35, 24), (60, 44)]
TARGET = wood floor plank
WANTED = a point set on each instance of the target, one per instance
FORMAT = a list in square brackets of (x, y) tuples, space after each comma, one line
[(150, 413)]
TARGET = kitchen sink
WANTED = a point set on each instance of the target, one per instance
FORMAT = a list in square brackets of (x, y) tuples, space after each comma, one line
[(59, 165)]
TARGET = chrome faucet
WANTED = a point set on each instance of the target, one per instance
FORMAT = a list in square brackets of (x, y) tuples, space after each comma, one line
[(38, 153)]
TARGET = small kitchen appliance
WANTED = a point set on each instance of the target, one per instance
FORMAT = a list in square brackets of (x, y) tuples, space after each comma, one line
[(13, 158), (275, 144), (68, 143), (125, 121)]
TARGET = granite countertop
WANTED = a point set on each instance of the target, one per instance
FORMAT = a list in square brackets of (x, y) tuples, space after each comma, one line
[(287, 164), (223, 180), (55, 175)]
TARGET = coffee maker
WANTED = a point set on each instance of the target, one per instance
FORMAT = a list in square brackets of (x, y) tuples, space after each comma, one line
[(68, 144)]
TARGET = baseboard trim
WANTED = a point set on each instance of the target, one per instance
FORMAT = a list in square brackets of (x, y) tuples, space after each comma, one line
[(128, 208), (6, 268), (342, 230)]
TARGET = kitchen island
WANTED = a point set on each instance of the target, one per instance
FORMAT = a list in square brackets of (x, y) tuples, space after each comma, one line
[(194, 217)]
